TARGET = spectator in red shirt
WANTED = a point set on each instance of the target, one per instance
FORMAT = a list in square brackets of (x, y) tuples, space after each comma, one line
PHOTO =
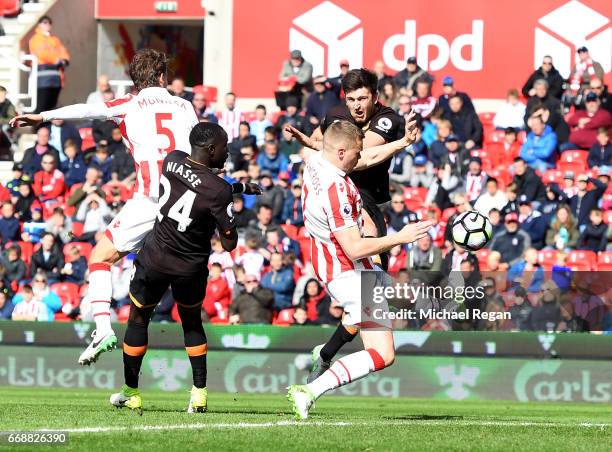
[(584, 124), (218, 296), (49, 182)]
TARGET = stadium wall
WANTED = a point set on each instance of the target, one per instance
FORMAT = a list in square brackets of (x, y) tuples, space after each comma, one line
[(266, 359), (73, 22)]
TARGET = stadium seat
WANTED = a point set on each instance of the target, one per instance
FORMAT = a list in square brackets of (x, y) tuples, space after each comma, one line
[(304, 248), (9, 8), (501, 174), (486, 118), (604, 257), (575, 155), (494, 136), (552, 176), (290, 230), (284, 317), (84, 247), (249, 116), (123, 314), (87, 138), (77, 228), (582, 258), (574, 167), (274, 116), (68, 292), (414, 197), (27, 249), (447, 213), (488, 160), (547, 257), (483, 256)]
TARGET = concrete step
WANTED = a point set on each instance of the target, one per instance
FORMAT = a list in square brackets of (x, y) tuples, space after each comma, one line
[(27, 18), (13, 27), (33, 7), (8, 41)]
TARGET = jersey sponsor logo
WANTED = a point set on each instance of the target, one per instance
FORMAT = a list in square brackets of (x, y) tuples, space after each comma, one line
[(116, 224), (384, 124)]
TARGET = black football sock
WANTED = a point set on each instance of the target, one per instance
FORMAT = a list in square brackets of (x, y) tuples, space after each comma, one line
[(195, 344), (134, 349), (340, 337)]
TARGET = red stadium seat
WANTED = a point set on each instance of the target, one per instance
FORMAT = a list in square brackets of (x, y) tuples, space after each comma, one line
[(249, 116), (488, 160), (414, 197), (486, 118), (87, 138), (502, 174), (27, 249), (575, 155), (123, 314), (68, 292), (77, 228), (274, 116), (304, 248), (604, 257), (547, 257), (574, 167), (483, 256), (582, 258), (284, 317), (552, 175), (494, 136), (290, 230), (84, 247), (9, 7)]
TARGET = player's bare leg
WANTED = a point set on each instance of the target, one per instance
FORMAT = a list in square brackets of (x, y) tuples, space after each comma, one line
[(378, 353), (100, 291)]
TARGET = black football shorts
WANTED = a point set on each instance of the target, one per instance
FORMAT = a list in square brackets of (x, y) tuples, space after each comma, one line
[(148, 286)]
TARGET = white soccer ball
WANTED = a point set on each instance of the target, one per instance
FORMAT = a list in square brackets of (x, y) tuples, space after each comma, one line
[(472, 230)]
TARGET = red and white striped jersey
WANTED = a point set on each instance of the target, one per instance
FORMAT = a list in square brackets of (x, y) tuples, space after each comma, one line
[(230, 121), (331, 203), (32, 308), (153, 123)]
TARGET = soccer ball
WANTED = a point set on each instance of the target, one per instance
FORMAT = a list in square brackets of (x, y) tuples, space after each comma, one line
[(472, 230)]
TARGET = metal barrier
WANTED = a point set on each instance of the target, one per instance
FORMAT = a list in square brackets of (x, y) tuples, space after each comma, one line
[(31, 94)]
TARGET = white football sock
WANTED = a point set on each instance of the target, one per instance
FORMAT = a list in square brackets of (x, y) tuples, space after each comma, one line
[(344, 370), (100, 292)]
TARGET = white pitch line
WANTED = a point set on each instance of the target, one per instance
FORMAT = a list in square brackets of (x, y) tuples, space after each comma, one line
[(247, 425)]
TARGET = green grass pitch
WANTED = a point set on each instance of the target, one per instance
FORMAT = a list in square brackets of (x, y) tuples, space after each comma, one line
[(263, 422)]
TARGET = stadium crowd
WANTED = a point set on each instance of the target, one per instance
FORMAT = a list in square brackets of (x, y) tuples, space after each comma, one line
[(539, 168)]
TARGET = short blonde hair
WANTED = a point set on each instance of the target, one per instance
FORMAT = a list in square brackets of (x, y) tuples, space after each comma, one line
[(342, 134)]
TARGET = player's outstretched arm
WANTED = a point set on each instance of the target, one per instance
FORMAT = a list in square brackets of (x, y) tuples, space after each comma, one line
[(76, 111), (315, 141), (375, 155), (357, 247)]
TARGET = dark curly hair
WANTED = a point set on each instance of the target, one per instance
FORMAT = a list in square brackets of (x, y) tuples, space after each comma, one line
[(146, 67)]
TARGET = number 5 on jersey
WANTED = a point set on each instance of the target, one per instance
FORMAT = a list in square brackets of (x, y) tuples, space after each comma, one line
[(180, 211)]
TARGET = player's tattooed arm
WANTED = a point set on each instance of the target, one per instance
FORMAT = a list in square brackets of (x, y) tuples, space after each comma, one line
[(315, 141), (377, 154)]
